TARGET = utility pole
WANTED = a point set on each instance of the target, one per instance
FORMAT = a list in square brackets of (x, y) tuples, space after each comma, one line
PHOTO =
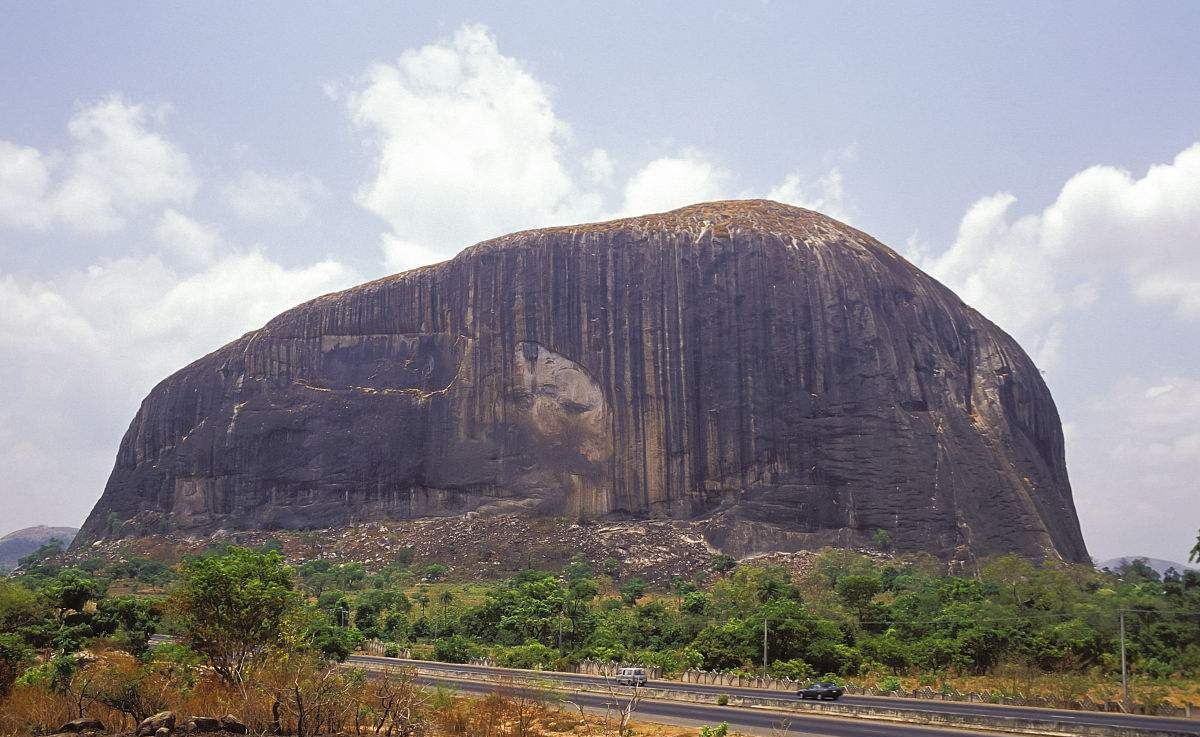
[(764, 647), (1124, 669)]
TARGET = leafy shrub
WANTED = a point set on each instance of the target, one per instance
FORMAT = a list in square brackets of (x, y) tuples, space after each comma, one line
[(632, 590), (722, 563), (529, 656), (455, 649), (795, 669)]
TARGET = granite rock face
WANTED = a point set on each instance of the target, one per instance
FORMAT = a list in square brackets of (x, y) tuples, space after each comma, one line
[(784, 377)]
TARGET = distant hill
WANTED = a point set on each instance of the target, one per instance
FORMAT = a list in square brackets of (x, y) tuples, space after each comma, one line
[(1160, 566), (20, 543)]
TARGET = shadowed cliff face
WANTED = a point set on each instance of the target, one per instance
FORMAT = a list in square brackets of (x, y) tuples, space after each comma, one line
[(771, 370)]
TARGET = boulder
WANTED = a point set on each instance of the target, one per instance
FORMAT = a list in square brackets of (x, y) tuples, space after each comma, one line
[(232, 724), (205, 724), (162, 720), (82, 724), (776, 375)]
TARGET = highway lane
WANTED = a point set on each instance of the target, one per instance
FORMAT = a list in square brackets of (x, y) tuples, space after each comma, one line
[(740, 719), (922, 705)]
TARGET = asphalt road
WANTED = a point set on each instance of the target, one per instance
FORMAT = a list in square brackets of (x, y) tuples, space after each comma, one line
[(752, 721), (938, 707)]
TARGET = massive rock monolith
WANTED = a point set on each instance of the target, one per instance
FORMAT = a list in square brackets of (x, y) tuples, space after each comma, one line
[(786, 378)]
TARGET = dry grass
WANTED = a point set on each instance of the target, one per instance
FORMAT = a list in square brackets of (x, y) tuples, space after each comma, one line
[(506, 713), (1067, 687), (290, 694)]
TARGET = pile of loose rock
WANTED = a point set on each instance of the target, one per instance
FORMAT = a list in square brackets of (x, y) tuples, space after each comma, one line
[(161, 724)]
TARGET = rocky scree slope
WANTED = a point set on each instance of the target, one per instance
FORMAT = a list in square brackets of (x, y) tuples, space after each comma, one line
[(786, 378)]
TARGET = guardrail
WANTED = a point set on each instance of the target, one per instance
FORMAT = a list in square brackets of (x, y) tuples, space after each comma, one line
[(1009, 724)]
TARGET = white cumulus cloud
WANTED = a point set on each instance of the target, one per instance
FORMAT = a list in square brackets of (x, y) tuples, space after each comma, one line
[(675, 181), (24, 182), (192, 241), (265, 197), (826, 195), (1107, 231), (401, 255), (117, 168), (469, 145)]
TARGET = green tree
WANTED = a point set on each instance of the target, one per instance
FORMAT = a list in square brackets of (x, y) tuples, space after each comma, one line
[(130, 619), (70, 591), (578, 568), (1137, 570), (695, 603), (230, 607), (612, 567), (882, 539), (722, 563), (331, 601), (584, 589), (632, 590), (857, 591), (19, 606), (15, 655), (332, 642), (454, 649)]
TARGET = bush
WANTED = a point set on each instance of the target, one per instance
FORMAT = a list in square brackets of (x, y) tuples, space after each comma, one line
[(882, 540), (529, 656), (455, 649), (722, 563), (14, 656), (334, 643), (891, 684), (391, 650), (795, 669), (722, 700), (632, 590), (670, 661)]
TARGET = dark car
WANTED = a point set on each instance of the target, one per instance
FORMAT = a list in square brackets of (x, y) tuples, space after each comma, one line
[(823, 690)]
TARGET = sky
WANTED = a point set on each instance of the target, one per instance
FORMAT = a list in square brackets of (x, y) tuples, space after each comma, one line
[(173, 175)]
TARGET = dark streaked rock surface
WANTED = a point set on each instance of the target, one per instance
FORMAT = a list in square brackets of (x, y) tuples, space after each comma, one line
[(781, 375)]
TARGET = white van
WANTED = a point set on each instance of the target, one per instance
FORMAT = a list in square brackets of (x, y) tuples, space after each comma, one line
[(631, 677)]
